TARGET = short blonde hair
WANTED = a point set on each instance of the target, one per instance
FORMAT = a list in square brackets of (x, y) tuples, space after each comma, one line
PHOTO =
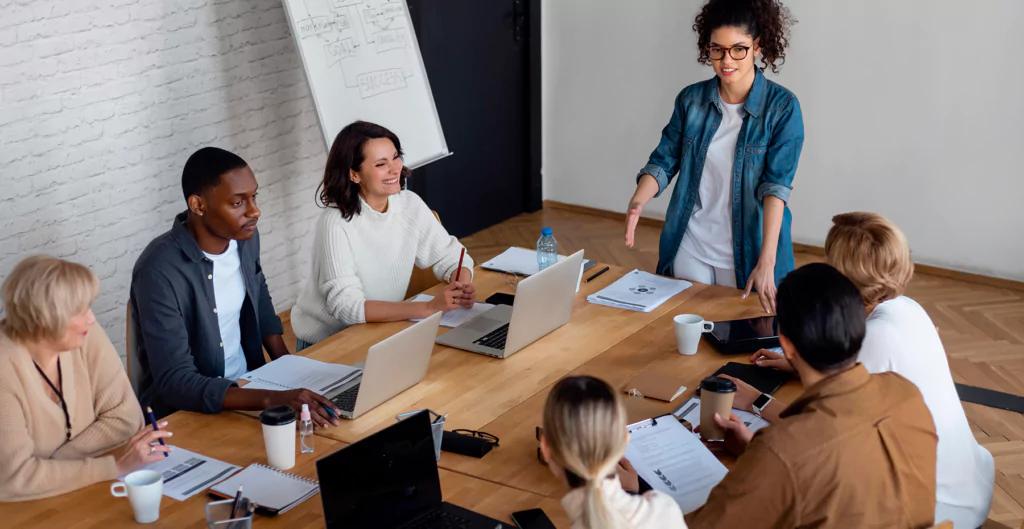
[(585, 429), (872, 252), (42, 294)]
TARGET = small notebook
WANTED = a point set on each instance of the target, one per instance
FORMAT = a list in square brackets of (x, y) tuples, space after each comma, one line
[(273, 491), (655, 386)]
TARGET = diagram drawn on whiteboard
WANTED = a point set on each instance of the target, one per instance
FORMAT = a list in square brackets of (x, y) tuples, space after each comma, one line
[(369, 41)]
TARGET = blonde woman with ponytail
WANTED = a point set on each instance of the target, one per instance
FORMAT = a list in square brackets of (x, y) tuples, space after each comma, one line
[(583, 443)]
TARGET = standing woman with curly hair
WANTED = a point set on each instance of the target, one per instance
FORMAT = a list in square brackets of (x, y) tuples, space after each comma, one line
[(735, 141)]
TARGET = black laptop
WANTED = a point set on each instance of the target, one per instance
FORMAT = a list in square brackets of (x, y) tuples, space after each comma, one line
[(745, 336), (389, 480)]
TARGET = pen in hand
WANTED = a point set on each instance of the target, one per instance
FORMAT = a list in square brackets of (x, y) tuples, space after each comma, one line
[(156, 427)]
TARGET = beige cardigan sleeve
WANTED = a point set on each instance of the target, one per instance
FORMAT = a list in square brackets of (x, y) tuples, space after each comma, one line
[(23, 475), (118, 413)]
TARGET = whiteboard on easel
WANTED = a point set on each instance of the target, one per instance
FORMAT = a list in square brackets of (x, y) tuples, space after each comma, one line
[(362, 62)]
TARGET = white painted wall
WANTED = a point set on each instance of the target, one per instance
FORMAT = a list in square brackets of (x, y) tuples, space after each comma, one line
[(101, 103), (912, 109)]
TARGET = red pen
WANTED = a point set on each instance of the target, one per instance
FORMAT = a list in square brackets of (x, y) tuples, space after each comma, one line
[(458, 273)]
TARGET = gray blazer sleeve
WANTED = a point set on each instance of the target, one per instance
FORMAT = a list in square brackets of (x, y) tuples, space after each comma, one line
[(165, 339)]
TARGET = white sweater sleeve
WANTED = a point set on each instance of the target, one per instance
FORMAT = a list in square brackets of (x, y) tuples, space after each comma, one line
[(339, 284), (437, 249)]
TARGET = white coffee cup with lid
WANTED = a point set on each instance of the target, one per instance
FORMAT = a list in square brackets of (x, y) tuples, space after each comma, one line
[(279, 427)]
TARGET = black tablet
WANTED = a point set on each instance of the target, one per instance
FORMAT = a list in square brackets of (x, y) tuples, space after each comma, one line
[(745, 336)]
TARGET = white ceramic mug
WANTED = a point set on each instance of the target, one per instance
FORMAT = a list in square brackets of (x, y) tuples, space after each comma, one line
[(688, 328), (144, 489)]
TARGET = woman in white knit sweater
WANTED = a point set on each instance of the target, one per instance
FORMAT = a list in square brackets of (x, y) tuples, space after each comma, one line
[(368, 239)]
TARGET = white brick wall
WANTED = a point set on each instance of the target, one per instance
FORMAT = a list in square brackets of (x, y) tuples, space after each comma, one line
[(101, 103)]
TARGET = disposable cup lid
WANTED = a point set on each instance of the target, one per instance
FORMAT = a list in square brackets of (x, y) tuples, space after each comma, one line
[(277, 415), (718, 385)]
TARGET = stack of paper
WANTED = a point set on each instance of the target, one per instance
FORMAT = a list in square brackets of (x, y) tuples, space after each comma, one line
[(521, 261), (639, 291), (299, 372), (456, 317)]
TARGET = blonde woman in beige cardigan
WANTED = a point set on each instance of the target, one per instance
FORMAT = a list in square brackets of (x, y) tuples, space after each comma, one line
[(65, 401)]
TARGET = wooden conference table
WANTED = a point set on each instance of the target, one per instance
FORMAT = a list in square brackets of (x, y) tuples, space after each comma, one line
[(501, 397)]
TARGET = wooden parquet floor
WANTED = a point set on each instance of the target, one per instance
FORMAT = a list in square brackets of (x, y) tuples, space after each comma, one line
[(982, 328)]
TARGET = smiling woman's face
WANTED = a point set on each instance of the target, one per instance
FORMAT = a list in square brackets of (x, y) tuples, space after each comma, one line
[(77, 329), (379, 176), (732, 70)]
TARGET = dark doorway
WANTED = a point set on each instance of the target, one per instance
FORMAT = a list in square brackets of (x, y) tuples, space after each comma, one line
[(483, 62)]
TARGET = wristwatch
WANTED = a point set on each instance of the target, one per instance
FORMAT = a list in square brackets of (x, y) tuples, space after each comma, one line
[(761, 403)]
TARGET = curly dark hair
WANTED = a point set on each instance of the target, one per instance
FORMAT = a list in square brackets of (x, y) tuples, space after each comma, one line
[(767, 20), (337, 190)]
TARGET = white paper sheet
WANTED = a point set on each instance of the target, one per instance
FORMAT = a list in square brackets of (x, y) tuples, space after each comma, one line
[(517, 261), (639, 291), (690, 411), (674, 461), (188, 473), (456, 317), (298, 372)]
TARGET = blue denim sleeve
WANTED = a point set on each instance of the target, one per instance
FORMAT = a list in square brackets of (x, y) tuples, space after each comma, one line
[(783, 153), (664, 161), (165, 337)]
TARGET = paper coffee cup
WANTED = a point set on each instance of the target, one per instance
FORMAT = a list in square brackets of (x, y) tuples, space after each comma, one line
[(716, 395), (279, 436), (144, 489)]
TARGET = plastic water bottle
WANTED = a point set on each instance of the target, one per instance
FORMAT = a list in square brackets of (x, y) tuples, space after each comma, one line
[(305, 431), (547, 249)]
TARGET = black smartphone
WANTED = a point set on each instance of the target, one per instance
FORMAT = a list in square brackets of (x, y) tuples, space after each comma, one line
[(532, 519), (501, 299)]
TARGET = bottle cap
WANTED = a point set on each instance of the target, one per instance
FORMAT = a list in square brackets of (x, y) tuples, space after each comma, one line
[(546, 232), (305, 412)]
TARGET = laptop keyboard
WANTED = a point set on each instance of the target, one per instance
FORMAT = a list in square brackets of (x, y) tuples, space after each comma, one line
[(494, 339), (346, 400), (438, 519)]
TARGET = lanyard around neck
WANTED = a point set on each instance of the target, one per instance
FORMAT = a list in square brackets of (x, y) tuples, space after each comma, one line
[(59, 390)]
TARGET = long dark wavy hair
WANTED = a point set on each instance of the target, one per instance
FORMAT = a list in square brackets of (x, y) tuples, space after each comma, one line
[(337, 189), (766, 20)]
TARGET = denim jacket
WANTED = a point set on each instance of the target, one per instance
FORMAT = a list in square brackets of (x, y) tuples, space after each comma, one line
[(767, 152)]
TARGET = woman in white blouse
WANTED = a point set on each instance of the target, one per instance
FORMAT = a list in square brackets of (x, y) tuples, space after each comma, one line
[(583, 441), (874, 254), (368, 238)]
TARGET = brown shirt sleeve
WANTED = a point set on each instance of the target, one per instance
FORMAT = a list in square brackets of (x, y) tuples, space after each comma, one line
[(758, 492), (118, 413)]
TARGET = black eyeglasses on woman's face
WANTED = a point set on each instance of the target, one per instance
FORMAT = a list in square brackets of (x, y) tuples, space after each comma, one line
[(738, 53)]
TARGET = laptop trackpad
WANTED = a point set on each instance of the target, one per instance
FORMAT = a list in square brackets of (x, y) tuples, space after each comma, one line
[(482, 324)]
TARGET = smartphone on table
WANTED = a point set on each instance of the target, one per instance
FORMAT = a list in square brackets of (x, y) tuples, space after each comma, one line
[(532, 519)]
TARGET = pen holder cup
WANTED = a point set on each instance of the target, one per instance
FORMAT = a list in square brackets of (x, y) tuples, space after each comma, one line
[(436, 427), (218, 515)]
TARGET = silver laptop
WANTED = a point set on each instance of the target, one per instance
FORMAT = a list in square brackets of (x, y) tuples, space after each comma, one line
[(542, 304), (392, 366)]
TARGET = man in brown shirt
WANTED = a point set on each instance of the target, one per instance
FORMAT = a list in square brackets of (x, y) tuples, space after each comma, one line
[(855, 450)]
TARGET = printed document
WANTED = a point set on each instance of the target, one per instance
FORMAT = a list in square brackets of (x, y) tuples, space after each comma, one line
[(674, 461), (456, 317), (188, 473), (299, 372), (639, 291)]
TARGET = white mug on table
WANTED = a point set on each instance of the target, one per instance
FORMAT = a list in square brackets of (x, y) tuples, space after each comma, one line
[(688, 328), (144, 489)]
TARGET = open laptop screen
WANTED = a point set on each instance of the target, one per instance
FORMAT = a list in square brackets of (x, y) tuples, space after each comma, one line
[(383, 480)]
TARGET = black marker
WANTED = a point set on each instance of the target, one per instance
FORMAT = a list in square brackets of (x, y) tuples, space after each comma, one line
[(593, 277)]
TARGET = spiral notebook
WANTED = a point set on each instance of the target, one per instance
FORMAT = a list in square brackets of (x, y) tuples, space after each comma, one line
[(273, 491)]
